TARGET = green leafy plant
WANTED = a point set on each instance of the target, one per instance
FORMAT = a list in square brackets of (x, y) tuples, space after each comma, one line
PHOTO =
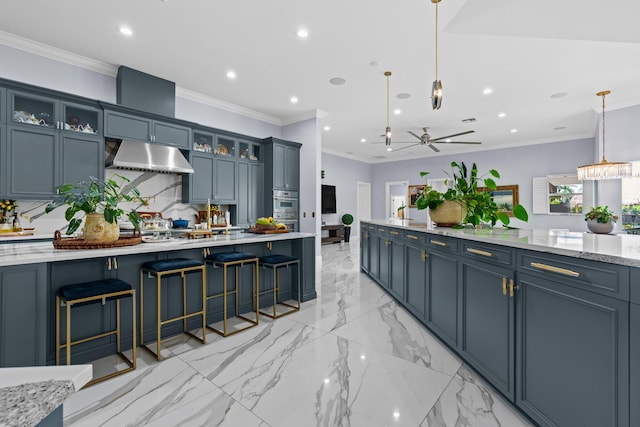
[(601, 214), (480, 207), (347, 219), (96, 196)]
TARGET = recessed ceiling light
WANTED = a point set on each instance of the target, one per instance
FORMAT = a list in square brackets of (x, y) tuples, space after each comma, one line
[(397, 111), (447, 140), (126, 31), (327, 128), (559, 95), (303, 33), (403, 95), (514, 130), (560, 128), (487, 91), (294, 99), (337, 81), (373, 63), (231, 74), (502, 115), (396, 414), (389, 149), (363, 140)]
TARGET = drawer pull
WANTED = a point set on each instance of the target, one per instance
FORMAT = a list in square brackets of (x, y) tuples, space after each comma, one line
[(553, 269), (479, 252), (439, 243), (394, 232), (381, 229), (411, 236)]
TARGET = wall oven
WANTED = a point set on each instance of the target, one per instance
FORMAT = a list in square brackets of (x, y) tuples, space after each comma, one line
[(285, 208)]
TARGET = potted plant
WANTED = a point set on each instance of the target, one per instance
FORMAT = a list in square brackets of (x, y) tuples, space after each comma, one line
[(463, 203), (100, 202), (600, 219), (347, 220), (401, 211)]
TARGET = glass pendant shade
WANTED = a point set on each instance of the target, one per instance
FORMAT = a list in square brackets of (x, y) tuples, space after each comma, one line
[(387, 136), (604, 169), (436, 95)]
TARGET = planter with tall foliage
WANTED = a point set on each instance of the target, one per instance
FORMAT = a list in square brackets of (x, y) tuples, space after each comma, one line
[(463, 202), (100, 203), (600, 219), (347, 220)]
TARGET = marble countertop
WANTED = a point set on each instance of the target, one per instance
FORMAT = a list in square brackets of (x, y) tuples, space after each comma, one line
[(28, 395), (623, 249), (20, 253)]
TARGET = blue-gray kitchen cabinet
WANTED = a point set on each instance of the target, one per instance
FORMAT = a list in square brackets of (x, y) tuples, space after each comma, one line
[(487, 313), (23, 315), (572, 354), (214, 179), (634, 352), (416, 277), (374, 252), (364, 247), (395, 248), (282, 166), (122, 125), (250, 201)]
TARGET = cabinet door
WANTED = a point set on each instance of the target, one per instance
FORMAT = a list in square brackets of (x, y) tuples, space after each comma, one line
[(32, 110), (3, 160), (279, 167), (225, 180), (416, 277), (171, 134), (23, 315), (374, 256), (244, 194), (384, 261), (364, 249), (572, 344), (33, 170), (125, 126), (292, 168), (488, 323), (256, 195), (80, 119), (634, 363), (82, 158), (201, 180), (396, 268), (442, 296)]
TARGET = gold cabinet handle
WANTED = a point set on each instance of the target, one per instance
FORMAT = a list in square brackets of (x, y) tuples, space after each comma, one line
[(423, 255), (439, 243), (553, 269), (479, 252), (109, 263), (380, 229), (512, 288), (386, 242), (411, 236), (366, 235), (394, 232), (115, 263), (504, 286)]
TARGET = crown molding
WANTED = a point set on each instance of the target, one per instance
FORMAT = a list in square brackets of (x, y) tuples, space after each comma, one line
[(56, 54), (313, 114)]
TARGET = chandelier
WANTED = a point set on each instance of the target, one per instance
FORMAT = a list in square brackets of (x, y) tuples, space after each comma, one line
[(604, 169)]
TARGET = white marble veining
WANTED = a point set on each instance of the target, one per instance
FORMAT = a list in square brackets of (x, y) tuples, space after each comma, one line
[(621, 249), (352, 357), (30, 253)]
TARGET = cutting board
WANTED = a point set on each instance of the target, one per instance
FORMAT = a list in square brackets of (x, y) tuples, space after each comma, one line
[(16, 233), (259, 231)]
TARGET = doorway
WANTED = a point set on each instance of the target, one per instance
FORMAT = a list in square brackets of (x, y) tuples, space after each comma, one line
[(395, 196), (363, 209)]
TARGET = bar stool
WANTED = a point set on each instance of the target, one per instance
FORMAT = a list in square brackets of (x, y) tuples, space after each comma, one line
[(79, 294), (169, 267), (276, 262), (237, 260)]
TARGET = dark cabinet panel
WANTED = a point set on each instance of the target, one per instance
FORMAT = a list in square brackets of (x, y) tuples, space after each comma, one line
[(416, 280), (573, 366), (634, 351), (443, 296), (23, 315), (171, 134), (82, 158), (384, 267), (125, 126), (488, 323), (34, 166), (374, 254), (364, 248), (225, 181), (214, 179), (282, 168), (396, 268), (250, 195)]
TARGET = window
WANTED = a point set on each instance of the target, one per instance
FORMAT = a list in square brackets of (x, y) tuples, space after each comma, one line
[(561, 194), (631, 203)]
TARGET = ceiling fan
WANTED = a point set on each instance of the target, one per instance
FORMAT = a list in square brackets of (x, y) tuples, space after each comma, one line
[(426, 139)]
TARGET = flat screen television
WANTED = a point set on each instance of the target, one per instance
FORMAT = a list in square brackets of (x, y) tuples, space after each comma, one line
[(328, 199)]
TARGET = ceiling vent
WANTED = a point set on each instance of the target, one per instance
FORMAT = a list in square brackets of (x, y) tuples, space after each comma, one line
[(469, 120)]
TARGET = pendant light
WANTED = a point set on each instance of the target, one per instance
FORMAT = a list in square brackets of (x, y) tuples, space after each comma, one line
[(387, 131), (436, 88), (604, 169)]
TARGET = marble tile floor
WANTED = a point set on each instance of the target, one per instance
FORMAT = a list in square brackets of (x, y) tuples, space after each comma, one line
[(352, 357)]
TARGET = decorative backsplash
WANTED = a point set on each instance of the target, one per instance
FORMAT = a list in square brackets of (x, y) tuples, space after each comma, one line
[(163, 191)]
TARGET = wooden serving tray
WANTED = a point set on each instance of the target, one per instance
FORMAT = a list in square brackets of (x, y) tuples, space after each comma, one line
[(16, 233), (263, 231)]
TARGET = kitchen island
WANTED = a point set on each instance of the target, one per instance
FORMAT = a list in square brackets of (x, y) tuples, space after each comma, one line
[(550, 318), (31, 274)]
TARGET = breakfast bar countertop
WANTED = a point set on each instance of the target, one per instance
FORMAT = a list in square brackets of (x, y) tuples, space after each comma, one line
[(622, 249), (20, 253)]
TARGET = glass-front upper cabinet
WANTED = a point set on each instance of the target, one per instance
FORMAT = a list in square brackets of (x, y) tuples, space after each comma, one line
[(203, 141), (225, 146), (249, 150), (34, 110)]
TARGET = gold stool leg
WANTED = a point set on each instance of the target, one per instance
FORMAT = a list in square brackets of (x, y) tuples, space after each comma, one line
[(203, 272), (118, 325), (57, 330), (159, 287), (141, 308), (68, 337), (133, 327)]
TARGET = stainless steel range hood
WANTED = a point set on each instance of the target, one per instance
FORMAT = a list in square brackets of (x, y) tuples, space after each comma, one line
[(144, 156)]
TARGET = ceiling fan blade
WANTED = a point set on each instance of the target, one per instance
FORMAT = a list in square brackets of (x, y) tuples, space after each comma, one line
[(451, 136), (457, 142), (419, 137), (433, 147), (402, 148)]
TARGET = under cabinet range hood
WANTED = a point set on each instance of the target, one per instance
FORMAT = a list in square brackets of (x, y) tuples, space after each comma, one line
[(136, 155)]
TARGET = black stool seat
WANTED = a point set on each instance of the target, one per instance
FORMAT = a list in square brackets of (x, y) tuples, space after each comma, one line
[(171, 264), (230, 257), (94, 288), (277, 259)]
